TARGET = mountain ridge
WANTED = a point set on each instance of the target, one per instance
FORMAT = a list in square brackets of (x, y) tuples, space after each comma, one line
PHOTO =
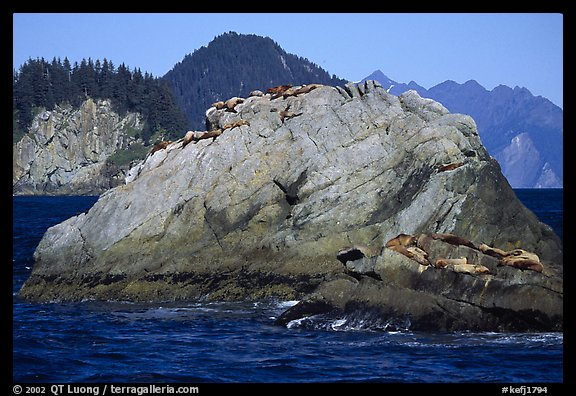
[(226, 68), (502, 114)]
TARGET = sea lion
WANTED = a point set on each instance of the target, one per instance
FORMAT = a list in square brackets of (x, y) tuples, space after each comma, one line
[(236, 124), (279, 90), (472, 269), (522, 259), (160, 146), (523, 264), (521, 253), (453, 240), (490, 251), (402, 240), (232, 102), (219, 105), (256, 92), (418, 255), (290, 92), (413, 253), (445, 262), (288, 114), (207, 135), (187, 138), (301, 90), (449, 167), (195, 136)]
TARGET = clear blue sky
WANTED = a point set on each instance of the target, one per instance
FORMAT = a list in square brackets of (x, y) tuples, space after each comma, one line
[(514, 49)]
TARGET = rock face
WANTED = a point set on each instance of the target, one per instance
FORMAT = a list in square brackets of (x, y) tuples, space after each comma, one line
[(274, 204), (65, 150)]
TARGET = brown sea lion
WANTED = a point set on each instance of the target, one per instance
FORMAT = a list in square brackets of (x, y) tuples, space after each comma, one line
[(302, 90), (523, 253), (402, 240), (160, 146), (288, 114), (290, 92), (278, 90), (449, 167), (188, 138), (210, 134), (232, 102), (490, 251), (445, 262), (453, 240), (219, 105), (418, 255), (522, 259), (412, 252), (523, 264), (472, 269), (236, 124)]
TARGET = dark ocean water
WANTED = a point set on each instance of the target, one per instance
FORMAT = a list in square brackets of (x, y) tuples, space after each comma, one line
[(202, 342)]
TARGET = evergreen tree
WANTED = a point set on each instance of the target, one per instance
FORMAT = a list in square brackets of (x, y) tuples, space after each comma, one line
[(39, 84), (106, 79)]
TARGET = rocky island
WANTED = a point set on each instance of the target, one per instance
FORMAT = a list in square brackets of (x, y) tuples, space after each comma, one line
[(68, 150), (358, 203)]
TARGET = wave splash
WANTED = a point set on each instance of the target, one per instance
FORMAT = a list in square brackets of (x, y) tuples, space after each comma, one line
[(355, 321)]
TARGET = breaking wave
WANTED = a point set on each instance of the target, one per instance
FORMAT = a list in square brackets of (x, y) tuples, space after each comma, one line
[(356, 321)]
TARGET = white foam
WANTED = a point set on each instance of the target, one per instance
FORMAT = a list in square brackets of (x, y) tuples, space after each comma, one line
[(287, 304), (294, 324)]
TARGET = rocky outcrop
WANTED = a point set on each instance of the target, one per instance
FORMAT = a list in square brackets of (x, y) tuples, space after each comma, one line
[(66, 149), (303, 206), (451, 284)]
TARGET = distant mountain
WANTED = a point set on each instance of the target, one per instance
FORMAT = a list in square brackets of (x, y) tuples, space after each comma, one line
[(234, 65), (522, 131)]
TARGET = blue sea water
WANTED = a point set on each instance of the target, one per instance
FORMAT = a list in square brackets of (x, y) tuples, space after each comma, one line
[(201, 342)]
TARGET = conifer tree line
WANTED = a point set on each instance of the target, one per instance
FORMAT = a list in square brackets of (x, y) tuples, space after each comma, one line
[(43, 84)]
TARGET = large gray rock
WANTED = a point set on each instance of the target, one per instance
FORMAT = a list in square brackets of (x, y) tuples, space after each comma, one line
[(66, 149), (263, 209)]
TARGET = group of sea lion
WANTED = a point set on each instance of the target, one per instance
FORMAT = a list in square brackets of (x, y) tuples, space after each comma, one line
[(195, 136), (411, 246), (288, 90), (517, 258), (284, 91)]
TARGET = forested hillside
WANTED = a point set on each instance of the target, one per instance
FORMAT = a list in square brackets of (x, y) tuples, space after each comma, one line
[(233, 65), (42, 85)]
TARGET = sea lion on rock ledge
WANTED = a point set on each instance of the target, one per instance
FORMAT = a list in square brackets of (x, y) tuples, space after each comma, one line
[(406, 244), (302, 90), (453, 240), (278, 91), (471, 269), (491, 251), (219, 105), (160, 146), (444, 262), (236, 124), (401, 240), (523, 260), (232, 102)]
